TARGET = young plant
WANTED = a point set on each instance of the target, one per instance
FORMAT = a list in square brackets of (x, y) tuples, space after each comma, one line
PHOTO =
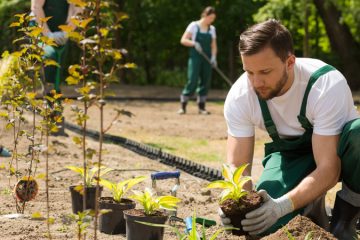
[(82, 221), (89, 175), (152, 203), (119, 189), (100, 61), (232, 184)]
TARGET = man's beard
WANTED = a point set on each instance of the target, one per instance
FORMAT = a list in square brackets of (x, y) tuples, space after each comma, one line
[(278, 87)]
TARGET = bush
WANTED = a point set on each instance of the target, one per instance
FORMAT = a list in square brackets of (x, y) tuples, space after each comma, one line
[(8, 9)]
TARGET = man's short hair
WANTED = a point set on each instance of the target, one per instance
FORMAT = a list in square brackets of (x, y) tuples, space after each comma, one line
[(270, 33)]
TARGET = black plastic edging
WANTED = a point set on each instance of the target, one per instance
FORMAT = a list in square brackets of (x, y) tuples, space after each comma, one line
[(193, 168)]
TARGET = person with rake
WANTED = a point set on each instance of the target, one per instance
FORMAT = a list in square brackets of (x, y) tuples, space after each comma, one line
[(200, 37)]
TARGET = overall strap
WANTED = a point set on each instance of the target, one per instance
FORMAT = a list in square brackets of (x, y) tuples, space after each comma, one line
[(305, 123), (268, 122)]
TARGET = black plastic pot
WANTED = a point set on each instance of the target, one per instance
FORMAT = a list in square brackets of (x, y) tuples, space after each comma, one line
[(138, 231), (77, 198), (113, 222)]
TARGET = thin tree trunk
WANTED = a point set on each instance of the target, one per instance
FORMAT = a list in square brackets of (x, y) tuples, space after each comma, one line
[(341, 40), (306, 50)]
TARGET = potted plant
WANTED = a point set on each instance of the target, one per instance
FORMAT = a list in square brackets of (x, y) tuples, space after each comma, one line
[(113, 222), (235, 201), (77, 191), (150, 213), (191, 230)]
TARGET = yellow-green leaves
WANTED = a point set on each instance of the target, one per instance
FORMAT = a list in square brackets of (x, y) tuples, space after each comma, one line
[(78, 3), (75, 75), (90, 173), (232, 184), (152, 203), (36, 216), (45, 19), (130, 65), (238, 177), (120, 188), (81, 23)]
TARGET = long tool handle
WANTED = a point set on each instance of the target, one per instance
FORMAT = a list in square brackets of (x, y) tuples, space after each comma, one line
[(216, 68), (165, 175)]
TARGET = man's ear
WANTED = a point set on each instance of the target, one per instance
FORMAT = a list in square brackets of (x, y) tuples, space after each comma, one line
[(290, 62)]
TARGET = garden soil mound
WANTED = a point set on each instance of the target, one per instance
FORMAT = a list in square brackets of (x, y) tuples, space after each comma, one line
[(299, 228)]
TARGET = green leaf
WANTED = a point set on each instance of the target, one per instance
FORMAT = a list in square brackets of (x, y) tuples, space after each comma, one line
[(242, 181), (40, 176), (222, 184), (51, 62), (14, 24), (76, 169), (226, 194), (309, 236), (77, 140), (109, 185), (51, 220), (130, 65), (46, 19), (36, 215), (238, 173), (79, 3), (226, 172)]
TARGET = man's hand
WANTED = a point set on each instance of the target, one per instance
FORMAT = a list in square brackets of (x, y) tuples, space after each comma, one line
[(197, 46), (225, 221), (59, 37), (265, 216), (213, 60)]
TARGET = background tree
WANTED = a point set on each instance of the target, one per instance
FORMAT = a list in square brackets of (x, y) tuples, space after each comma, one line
[(153, 32), (341, 39)]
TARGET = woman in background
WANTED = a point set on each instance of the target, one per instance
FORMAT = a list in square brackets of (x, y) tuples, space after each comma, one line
[(200, 37)]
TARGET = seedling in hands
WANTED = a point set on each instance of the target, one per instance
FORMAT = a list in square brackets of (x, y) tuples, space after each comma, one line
[(232, 184)]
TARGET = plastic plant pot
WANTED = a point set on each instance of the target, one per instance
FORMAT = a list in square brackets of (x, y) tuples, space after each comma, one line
[(136, 230), (113, 222), (77, 198)]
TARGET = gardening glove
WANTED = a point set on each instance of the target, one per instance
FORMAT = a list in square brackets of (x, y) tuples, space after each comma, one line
[(197, 46), (59, 37), (258, 220), (213, 61), (4, 152), (225, 221)]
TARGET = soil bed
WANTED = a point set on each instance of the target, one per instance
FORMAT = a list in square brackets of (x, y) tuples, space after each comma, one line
[(152, 121), (299, 227)]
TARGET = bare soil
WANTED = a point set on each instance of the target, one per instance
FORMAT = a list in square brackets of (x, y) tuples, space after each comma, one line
[(152, 121), (299, 228)]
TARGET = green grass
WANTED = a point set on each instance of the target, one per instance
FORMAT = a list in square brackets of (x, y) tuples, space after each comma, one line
[(219, 103), (200, 150)]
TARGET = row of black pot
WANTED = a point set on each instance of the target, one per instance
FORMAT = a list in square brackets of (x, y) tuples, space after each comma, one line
[(121, 219)]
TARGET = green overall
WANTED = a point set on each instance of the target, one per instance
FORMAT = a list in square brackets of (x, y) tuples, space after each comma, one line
[(288, 161), (58, 10), (198, 67)]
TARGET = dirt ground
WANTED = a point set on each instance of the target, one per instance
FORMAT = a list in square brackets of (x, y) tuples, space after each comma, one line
[(155, 123)]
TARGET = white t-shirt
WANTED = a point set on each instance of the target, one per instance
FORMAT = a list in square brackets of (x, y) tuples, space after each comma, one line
[(330, 104), (193, 28)]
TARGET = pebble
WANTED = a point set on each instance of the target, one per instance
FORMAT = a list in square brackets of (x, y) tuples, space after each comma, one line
[(205, 192)]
